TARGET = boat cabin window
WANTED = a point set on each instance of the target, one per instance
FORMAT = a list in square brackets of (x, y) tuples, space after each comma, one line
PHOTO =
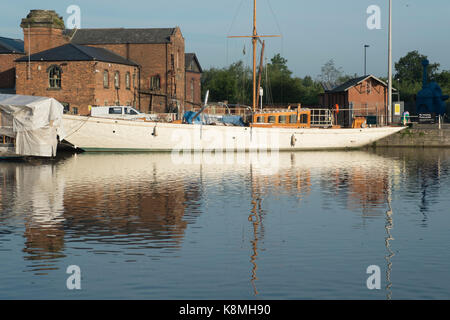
[(115, 110), (293, 118), (303, 118), (260, 119), (272, 119), (282, 119)]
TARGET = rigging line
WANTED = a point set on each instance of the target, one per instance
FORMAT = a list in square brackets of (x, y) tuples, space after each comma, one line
[(282, 45), (275, 17), (226, 62), (235, 16), (79, 128), (231, 26)]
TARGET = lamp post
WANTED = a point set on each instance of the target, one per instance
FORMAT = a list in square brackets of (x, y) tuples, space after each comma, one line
[(365, 58), (390, 65)]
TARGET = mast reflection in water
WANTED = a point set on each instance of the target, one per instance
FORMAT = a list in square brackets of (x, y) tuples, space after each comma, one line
[(140, 226)]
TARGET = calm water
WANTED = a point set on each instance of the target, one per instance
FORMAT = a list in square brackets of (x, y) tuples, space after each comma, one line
[(141, 227)]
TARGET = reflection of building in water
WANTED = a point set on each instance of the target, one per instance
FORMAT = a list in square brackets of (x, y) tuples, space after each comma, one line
[(34, 195), (367, 189), (7, 176), (113, 195), (125, 207), (425, 170), (97, 197), (358, 185)]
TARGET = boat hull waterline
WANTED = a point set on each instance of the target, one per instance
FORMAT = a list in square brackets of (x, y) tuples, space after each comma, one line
[(99, 134)]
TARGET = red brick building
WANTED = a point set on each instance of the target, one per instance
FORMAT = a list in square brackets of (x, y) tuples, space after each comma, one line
[(193, 81), (78, 76), (365, 95), (10, 50), (159, 55)]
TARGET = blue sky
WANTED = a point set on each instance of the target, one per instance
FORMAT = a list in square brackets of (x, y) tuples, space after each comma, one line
[(313, 31)]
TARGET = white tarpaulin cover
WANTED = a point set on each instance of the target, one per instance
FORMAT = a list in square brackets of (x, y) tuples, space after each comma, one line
[(35, 123)]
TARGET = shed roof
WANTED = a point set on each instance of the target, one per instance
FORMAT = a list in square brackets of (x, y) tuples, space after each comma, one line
[(74, 52), (355, 81)]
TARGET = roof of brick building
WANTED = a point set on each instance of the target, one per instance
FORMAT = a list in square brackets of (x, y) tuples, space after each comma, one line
[(353, 82), (74, 52), (190, 62), (8, 45), (120, 35)]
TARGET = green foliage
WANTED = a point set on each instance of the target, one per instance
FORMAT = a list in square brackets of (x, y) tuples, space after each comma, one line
[(228, 84), (234, 84), (408, 77), (409, 68)]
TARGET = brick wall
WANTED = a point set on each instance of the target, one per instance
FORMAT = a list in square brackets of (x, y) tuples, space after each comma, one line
[(329, 100), (110, 95), (7, 70), (155, 60), (41, 39), (81, 83), (369, 97), (193, 90)]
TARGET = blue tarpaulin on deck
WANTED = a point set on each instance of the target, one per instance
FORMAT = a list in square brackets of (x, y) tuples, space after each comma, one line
[(211, 119)]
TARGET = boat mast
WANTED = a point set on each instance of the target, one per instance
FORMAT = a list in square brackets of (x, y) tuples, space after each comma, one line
[(261, 65), (255, 38)]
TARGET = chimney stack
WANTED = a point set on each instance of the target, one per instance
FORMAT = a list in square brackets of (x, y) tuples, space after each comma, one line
[(42, 30)]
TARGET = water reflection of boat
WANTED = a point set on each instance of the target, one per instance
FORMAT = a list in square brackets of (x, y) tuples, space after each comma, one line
[(146, 202)]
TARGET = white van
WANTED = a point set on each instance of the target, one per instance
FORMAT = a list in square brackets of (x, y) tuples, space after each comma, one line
[(117, 112)]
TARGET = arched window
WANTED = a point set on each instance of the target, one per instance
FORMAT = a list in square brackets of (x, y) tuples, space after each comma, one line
[(54, 77), (192, 90), (106, 79), (117, 80), (127, 80)]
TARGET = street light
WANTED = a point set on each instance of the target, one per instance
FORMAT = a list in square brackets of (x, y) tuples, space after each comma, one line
[(365, 58), (390, 64)]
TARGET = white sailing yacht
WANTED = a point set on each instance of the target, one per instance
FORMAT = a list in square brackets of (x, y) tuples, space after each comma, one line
[(289, 130)]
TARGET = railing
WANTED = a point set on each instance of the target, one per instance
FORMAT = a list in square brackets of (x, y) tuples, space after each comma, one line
[(375, 114), (322, 118)]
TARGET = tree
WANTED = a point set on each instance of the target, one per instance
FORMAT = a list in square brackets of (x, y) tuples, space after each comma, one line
[(330, 73), (409, 68), (409, 73), (234, 84), (228, 84)]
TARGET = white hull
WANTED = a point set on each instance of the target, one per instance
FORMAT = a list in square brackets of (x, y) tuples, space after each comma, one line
[(98, 134)]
